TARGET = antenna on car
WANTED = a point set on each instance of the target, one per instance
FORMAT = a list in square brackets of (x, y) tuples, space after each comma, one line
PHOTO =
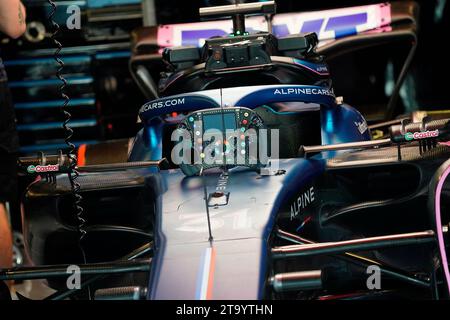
[(237, 12), (205, 192)]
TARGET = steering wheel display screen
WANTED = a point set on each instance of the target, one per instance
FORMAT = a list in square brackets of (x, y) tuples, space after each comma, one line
[(216, 121)]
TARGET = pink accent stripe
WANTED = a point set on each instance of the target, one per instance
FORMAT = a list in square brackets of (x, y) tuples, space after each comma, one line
[(385, 14), (379, 30), (439, 232), (212, 267), (165, 36)]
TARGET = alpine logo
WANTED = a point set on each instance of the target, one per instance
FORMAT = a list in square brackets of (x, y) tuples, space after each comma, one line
[(302, 202), (421, 135), (322, 69), (362, 126)]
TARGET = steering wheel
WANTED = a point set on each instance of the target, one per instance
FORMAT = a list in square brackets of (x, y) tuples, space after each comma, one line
[(219, 137)]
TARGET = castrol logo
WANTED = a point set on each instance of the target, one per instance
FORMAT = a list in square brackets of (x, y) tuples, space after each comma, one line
[(43, 169), (421, 135)]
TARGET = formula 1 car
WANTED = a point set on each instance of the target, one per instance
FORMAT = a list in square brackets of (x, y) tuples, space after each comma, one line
[(250, 179)]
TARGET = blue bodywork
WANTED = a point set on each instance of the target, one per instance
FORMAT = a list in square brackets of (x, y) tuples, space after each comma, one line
[(186, 264)]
